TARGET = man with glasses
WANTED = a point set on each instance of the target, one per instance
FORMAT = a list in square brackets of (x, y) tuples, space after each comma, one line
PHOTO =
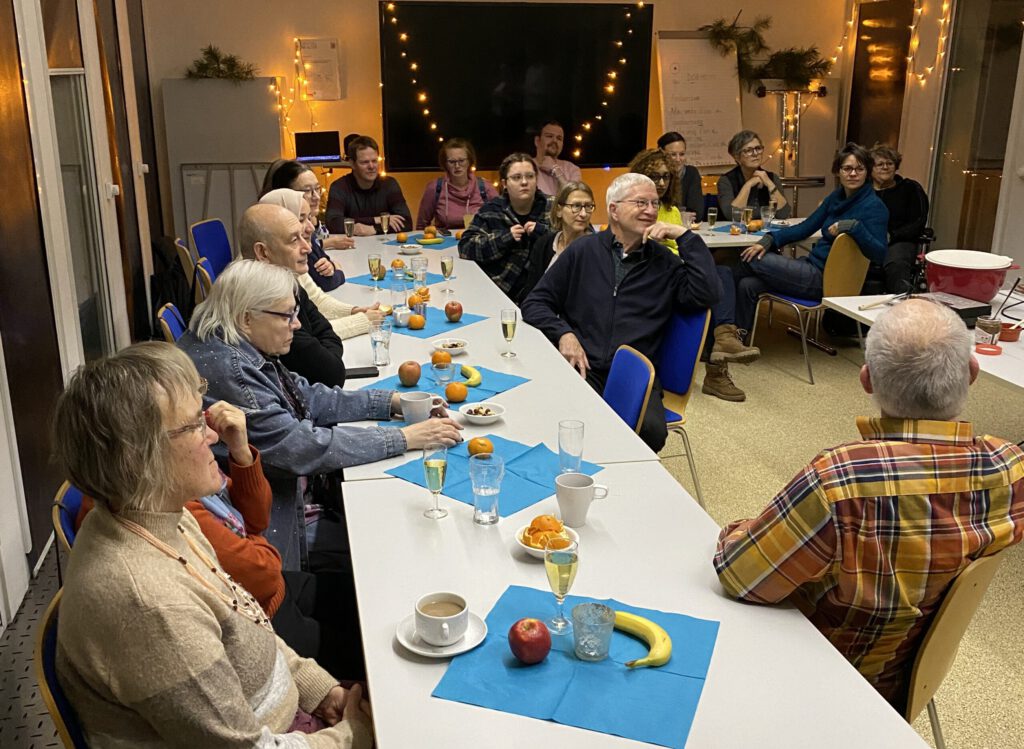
[(363, 195), (272, 234), (553, 171), (622, 286)]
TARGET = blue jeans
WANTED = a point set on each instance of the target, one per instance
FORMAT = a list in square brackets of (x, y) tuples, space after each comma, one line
[(773, 272)]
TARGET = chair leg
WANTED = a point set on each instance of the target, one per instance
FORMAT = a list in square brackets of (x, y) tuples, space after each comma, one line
[(693, 467), (804, 324), (771, 309), (757, 310), (933, 718)]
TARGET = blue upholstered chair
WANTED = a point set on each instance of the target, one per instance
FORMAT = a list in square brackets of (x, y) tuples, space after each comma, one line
[(628, 388)]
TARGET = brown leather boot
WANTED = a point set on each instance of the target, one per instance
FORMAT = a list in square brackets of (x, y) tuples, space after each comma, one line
[(718, 383), (729, 347)]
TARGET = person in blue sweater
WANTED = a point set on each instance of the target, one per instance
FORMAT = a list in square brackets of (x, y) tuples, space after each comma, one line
[(853, 208)]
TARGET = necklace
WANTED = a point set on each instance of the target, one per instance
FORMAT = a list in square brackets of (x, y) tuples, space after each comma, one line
[(240, 599)]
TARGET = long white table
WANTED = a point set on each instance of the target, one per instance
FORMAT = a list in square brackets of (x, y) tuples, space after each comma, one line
[(1007, 366), (774, 681)]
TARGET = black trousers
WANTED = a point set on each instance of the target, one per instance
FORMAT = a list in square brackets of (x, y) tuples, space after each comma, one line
[(900, 267), (653, 430)]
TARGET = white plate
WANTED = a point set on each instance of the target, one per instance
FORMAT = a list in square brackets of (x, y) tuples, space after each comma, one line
[(406, 634), (439, 345), (539, 553), (409, 249), (498, 409)]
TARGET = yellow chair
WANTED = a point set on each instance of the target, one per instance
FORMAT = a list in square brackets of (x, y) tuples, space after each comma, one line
[(845, 271), (186, 258), (63, 714), (942, 639)]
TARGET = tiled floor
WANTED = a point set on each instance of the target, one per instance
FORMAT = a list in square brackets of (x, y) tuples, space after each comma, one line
[(24, 721)]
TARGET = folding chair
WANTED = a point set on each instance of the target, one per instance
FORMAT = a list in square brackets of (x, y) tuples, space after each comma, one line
[(211, 241), (185, 257), (677, 368), (942, 639), (171, 322), (204, 278), (628, 388), (63, 715), (845, 271), (66, 503)]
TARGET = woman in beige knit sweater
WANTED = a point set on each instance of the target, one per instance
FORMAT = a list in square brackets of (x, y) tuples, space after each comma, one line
[(156, 645), (346, 320)]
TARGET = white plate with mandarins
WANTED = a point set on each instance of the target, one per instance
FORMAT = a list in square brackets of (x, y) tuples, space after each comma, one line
[(534, 537)]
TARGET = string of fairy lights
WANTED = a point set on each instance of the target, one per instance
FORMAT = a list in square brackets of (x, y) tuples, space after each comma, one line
[(286, 95), (915, 41)]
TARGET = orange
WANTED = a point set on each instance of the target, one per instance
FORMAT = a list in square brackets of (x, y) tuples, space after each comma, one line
[(458, 234), (398, 263), (478, 445), (416, 322), (415, 299), (558, 542), (441, 357), (456, 392), (546, 523), (402, 236), (424, 293), (430, 231)]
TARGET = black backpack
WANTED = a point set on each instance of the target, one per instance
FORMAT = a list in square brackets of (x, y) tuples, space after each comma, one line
[(168, 282)]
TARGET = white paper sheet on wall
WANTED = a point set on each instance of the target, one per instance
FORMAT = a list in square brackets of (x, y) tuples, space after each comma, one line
[(700, 95), (320, 60)]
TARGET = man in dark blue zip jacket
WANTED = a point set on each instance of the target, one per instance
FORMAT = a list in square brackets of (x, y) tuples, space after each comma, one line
[(621, 286)]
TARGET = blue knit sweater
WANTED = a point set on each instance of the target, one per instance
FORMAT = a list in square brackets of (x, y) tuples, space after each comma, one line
[(870, 221)]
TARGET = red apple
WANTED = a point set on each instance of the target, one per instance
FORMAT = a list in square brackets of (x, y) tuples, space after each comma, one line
[(409, 373), (453, 311), (530, 640)]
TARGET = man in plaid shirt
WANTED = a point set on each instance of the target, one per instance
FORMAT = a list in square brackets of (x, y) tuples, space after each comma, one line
[(866, 540)]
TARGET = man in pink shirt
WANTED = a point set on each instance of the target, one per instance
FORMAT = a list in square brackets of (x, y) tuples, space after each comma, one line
[(554, 172)]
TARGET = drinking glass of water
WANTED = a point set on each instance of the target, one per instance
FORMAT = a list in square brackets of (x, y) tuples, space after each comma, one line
[(380, 341), (486, 472), (570, 445)]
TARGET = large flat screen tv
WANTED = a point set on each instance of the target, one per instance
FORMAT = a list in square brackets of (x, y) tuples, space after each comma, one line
[(493, 72)]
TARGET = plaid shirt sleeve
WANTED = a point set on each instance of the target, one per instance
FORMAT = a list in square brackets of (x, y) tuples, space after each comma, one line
[(792, 542)]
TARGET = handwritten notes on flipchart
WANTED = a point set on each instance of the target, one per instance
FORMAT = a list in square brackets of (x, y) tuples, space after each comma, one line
[(700, 95)]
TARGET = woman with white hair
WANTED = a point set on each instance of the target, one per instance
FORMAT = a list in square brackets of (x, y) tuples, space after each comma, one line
[(235, 338), (346, 320), (156, 645)]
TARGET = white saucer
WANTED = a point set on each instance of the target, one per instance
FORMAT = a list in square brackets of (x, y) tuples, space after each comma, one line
[(475, 634)]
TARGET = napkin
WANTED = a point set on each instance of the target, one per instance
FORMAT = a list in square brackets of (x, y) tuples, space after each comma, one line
[(439, 326), (385, 283), (491, 384), (446, 242)]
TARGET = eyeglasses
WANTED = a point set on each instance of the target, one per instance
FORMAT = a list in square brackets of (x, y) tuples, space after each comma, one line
[(456, 162), (578, 208), (641, 204), (289, 316), (852, 169), (884, 164), (752, 151), (521, 177), (197, 425), (312, 189), (661, 176)]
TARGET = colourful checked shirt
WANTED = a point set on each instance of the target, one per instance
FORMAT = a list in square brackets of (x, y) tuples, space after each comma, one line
[(867, 538)]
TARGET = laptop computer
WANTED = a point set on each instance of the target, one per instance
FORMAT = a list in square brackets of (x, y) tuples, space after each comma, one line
[(318, 147)]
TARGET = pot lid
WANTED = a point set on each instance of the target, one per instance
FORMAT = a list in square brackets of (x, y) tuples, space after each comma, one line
[(969, 259)]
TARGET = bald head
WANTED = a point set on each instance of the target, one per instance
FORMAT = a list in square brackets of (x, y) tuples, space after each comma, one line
[(273, 234), (918, 361)]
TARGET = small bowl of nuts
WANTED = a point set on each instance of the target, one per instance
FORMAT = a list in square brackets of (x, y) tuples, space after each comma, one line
[(453, 346), (482, 413)]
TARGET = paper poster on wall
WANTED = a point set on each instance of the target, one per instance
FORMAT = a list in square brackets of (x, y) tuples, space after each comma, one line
[(700, 95), (320, 62)]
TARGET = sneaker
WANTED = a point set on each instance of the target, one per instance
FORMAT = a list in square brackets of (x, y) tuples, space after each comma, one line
[(718, 383), (729, 347)]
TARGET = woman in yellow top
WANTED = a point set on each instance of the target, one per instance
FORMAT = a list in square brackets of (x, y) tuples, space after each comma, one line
[(654, 164)]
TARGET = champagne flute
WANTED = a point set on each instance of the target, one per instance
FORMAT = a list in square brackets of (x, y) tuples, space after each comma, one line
[(385, 219), (748, 216), (508, 329), (447, 266), (374, 262), (435, 465), (561, 558), (712, 217)]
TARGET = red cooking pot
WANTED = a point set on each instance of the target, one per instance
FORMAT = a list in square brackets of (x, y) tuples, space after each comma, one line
[(967, 273)]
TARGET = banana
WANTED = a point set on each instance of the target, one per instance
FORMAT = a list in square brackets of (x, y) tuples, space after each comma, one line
[(472, 375), (424, 240), (657, 639)]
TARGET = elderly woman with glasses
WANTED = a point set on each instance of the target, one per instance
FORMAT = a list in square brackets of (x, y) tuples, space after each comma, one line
[(459, 193), (156, 645), (655, 164), (747, 185), (570, 220), (908, 214), (673, 145), (235, 338)]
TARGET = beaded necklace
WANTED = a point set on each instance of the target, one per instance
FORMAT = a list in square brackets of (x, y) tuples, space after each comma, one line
[(240, 599)]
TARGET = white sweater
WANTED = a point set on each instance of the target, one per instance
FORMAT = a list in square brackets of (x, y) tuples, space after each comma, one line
[(345, 324)]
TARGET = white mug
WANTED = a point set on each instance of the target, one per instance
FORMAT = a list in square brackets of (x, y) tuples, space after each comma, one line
[(416, 406), (435, 625), (575, 492)]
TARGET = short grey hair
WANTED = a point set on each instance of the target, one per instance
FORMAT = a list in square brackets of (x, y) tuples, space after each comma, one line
[(918, 354), (255, 226), (244, 286), (623, 184)]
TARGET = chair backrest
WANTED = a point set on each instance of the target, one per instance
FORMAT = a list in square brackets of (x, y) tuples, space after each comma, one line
[(64, 718), (185, 257), (680, 352), (942, 638), (205, 276), (211, 241), (171, 322), (66, 504), (845, 269), (629, 384)]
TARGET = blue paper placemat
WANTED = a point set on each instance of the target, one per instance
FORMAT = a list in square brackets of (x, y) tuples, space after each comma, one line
[(446, 242), (656, 705), (439, 326), (725, 230), (385, 283), (491, 384), (529, 474)]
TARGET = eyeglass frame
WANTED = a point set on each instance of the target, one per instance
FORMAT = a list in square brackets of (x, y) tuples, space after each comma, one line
[(642, 203), (311, 189), (578, 208), (456, 162), (851, 170), (885, 164), (291, 317), (752, 151), (660, 177), (198, 424), (521, 178)]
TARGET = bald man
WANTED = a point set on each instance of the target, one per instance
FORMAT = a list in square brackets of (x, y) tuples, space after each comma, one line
[(272, 234), (867, 538)]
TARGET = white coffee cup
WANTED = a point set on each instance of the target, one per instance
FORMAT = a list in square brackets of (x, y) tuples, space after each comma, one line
[(441, 618), (416, 406), (575, 492)]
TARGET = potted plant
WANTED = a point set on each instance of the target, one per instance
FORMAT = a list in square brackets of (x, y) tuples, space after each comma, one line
[(215, 64)]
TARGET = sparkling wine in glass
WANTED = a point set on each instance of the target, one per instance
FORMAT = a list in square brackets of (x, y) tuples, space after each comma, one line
[(748, 216), (350, 227), (385, 219), (435, 465), (508, 329), (561, 558), (375, 265), (447, 266), (712, 217)]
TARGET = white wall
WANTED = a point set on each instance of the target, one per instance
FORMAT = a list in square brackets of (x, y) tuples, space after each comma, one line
[(261, 31)]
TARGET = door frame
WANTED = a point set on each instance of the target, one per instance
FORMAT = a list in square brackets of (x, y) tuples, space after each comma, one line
[(1011, 192)]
